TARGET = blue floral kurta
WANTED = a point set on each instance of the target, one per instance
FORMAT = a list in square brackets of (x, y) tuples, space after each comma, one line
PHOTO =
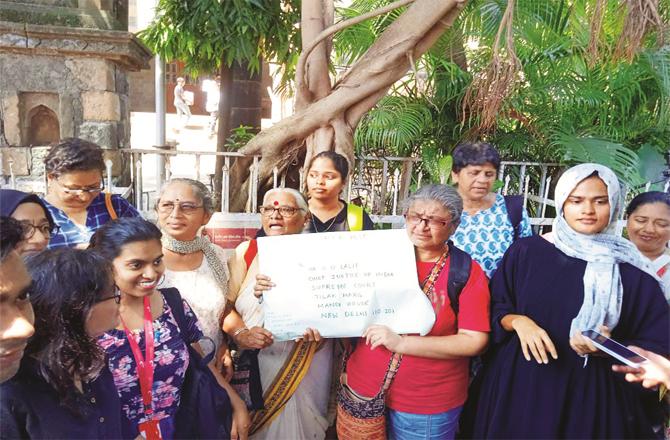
[(170, 364), (487, 234)]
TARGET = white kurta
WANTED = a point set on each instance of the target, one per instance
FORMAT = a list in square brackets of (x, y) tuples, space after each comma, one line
[(203, 294)]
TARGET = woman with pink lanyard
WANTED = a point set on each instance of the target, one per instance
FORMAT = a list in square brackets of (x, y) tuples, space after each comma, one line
[(148, 353)]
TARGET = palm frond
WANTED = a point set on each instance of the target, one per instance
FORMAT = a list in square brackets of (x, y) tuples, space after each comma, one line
[(622, 160)]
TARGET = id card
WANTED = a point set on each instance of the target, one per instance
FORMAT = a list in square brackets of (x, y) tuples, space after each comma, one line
[(150, 430)]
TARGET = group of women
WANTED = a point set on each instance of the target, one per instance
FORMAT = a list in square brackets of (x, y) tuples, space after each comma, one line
[(104, 312)]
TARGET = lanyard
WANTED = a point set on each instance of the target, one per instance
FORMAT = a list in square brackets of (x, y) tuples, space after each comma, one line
[(145, 365)]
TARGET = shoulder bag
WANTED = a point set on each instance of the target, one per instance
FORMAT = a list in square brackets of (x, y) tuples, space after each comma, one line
[(204, 411), (361, 417)]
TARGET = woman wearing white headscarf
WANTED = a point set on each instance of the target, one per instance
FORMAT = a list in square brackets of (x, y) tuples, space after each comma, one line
[(539, 381)]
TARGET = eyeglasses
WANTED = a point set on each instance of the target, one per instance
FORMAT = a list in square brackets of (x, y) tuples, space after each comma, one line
[(285, 211), (414, 220), (116, 296), (80, 191), (186, 207), (45, 229)]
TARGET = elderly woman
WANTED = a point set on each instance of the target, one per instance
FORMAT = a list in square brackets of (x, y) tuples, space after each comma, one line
[(32, 213), (540, 381), (430, 387), (284, 211), (74, 197), (648, 228), (490, 222), (194, 266)]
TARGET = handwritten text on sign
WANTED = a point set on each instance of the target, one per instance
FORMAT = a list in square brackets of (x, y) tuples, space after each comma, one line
[(342, 282)]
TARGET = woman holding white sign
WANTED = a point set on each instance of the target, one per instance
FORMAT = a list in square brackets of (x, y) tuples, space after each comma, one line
[(544, 378), (430, 386), (295, 375)]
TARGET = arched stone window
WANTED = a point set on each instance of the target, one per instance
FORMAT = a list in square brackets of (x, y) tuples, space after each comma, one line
[(43, 126)]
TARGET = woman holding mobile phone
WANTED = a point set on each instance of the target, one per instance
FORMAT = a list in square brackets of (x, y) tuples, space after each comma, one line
[(540, 380)]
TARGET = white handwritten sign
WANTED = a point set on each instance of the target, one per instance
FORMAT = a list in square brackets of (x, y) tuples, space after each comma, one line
[(342, 282)]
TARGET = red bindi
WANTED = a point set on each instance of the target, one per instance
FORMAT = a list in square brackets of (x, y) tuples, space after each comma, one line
[(276, 203)]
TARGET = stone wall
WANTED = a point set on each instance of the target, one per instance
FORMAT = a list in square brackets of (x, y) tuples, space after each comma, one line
[(142, 90), (90, 97), (58, 82)]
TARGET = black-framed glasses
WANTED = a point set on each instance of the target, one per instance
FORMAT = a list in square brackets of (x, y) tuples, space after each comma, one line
[(186, 207), (45, 229), (80, 191), (413, 220), (285, 211), (116, 296)]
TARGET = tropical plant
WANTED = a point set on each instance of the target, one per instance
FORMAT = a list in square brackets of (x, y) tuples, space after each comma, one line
[(566, 104)]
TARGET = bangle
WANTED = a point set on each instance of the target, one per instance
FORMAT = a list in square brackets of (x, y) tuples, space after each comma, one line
[(239, 330)]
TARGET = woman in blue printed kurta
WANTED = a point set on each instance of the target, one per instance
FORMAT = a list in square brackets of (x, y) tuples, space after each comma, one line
[(486, 229), (133, 247), (487, 234), (171, 363), (74, 193)]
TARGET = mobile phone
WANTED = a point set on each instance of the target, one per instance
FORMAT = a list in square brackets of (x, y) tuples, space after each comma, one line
[(614, 349)]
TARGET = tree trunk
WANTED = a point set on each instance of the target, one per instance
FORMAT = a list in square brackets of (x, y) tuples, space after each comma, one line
[(367, 81)]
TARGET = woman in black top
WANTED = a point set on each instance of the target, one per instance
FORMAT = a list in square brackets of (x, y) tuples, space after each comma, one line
[(63, 388), (326, 177)]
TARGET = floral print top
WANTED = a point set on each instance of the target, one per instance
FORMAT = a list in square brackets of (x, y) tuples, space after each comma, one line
[(170, 364), (487, 234)]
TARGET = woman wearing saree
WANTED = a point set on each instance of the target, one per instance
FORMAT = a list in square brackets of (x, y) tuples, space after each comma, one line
[(296, 411)]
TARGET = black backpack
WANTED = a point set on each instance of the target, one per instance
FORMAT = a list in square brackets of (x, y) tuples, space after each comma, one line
[(514, 205), (459, 273)]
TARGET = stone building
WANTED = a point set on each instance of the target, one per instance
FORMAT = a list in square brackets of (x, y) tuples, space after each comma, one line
[(64, 72)]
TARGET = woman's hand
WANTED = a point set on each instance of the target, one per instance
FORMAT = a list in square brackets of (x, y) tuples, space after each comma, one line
[(583, 345), (534, 340), (263, 284), (255, 337), (310, 335), (224, 362), (377, 335), (652, 373), (241, 419)]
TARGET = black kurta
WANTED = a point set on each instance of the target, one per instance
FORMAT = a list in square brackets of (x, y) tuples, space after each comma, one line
[(565, 399)]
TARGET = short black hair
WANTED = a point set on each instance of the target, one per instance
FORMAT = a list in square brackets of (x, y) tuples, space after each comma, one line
[(112, 236), (474, 153), (340, 162), (73, 154), (647, 198), (11, 234)]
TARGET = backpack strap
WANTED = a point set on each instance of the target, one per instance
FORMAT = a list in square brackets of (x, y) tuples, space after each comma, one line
[(354, 217), (459, 272), (514, 206), (176, 303), (173, 299), (110, 207), (251, 252)]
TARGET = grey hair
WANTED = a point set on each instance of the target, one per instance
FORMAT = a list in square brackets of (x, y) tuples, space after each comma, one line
[(445, 195), (199, 189), (299, 198)]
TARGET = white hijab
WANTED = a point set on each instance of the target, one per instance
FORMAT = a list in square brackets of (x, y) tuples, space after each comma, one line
[(603, 291)]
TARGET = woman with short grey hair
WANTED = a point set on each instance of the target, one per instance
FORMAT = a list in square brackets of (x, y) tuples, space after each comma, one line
[(194, 265), (430, 386)]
